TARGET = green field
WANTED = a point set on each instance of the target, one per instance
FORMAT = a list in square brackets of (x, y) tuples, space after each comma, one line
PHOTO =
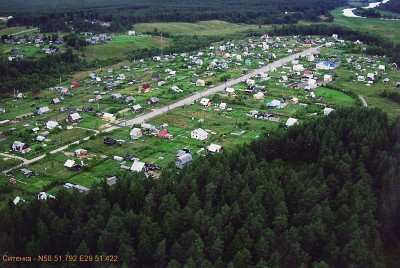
[(13, 30), (122, 45), (213, 27)]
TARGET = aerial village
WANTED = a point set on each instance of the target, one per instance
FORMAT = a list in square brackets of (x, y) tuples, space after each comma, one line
[(90, 130)]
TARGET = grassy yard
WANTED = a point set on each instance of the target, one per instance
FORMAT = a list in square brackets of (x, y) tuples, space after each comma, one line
[(213, 27), (122, 45)]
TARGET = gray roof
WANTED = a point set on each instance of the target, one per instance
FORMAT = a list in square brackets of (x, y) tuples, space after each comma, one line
[(186, 158)]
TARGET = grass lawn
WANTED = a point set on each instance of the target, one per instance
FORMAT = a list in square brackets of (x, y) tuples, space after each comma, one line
[(213, 27), (13, 30), (332, 97), (122, 45)]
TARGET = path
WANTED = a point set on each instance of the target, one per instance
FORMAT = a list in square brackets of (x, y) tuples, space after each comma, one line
[(363, 100), (25, 31), (210, 91)]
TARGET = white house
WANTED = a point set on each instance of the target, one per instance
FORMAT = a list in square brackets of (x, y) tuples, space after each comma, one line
[(131, 32), (205, 102), (69, 163), (312, 83), (328, 78), (44, 196), (327, 110), (382, 68), (137, 166), (199, 134), (108, 117), (298, 68), (291, 121), (42, 110), (51, 124), (259, 96), (200, 83), (136, 133), (20, 147), (214, 148)]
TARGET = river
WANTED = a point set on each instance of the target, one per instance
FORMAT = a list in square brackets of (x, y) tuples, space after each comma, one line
[(348, 12)]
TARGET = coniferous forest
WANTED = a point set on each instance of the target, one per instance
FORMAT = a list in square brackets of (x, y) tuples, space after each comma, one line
[(322, 194)]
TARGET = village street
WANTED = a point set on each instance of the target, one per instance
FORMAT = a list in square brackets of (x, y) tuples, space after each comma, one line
[(212, 90)]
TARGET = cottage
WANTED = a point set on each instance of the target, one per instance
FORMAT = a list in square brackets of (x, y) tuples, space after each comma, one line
[(116, 96), (155, 76), (138, 166), (200, 83), (52, 124), (42, 110), (20, 147), (214, 148), (382, 68), (360, 78), (136, 108), (175, 89), (291, 121), (328, 78), (371, 76), (165, 134), (81, 152), (222, 105), (259, 96), (81, 188), (230, 91), (183, 160), (109, 141), (298, 68), (152, 101), (327, 110), (283, 79), (394, 66), (12, 181), (121, 77), (69, 163), (205, 102), (111, 181), (136, 133), (75, 84), (74, 118), (26, 172), (308, 74), (199, 134), (146, 87), (294, 100), (55, 101), (2, 110), (18, 200), (129, 99), (386, 80), (108, 117), (274, 104), (326, 65), (312, 83), (44, 196)]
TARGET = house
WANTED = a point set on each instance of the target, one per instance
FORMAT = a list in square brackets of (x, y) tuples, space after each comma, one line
[(136, 108), (230, 91), (42, 110), (69, 163), (40, 138), (116, 96), (222, 105), (393, 66), (44, 196), (214, 148), (109, 141), (81, 152), (74, 118), (136, 133), (111, 181), (199, 134), (205, 102), (129, 99), (328, 78), (294, 101), (26, 172), (155, 76), (69, 185), (131, 32), (175, 89), (298, 68), (382, 68), (138, 166), (20, 96), (12, 181), (18, 200), (81, 188), (274, 104), (259, 96), (312, 83), (283, 79), (165, 134), (183, 160), (327, 110), (308, 74), (326, 65), (121, 77), (398, 85), (75, 84), (64, 91), (371, 76), (108, 117), (35, 129), (200, 83), (386, 80), (152, 101), (2, 110), (52, 124), (361, 78), (55, 101), (291, 121), (20, 147), (146, 87)]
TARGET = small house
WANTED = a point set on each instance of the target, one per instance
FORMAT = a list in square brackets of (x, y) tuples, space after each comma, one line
[(214, 148), (386, 80), (138, 166), (165, 134), (55, 101), (382, 68), (200, 83), (175, 89), (109, 141), (18, 200), (259, 96), (155, 76), (129, 99), (230, 91), (108, 117), (327, 110), (298, 68), (152, 101), (146, 87), (81, 152), (74, 118), (111, 181), (69, 163), (136, 133), (326, 65), (12, 181), (183, 160), (283, 79), (312, 83), (294, 100), (328, 78), (52, 124), (199, 134), (291, 121), (116, 96), (308, 74), (205, 102), (20, 147), (131, 33), (393, 66), (137, 108), (26, 172), (42, 110), (121, 77), (75, 84), (274, 104), (222, 105), (44, 196)]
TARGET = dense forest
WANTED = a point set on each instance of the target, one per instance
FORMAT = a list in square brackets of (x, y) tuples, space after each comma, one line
[(53, 16), (392, 6), (322, 194)]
